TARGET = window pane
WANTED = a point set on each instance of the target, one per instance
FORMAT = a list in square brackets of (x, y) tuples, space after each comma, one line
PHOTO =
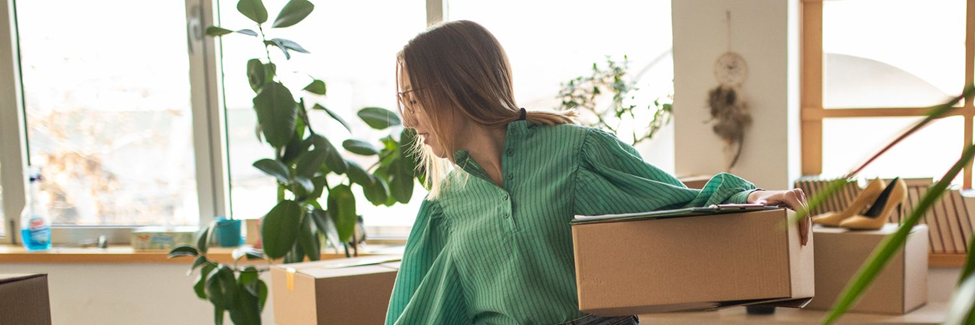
[(547, 48), (353, 48), (552, 42), (928, 153), (893, 53), (108, 110)]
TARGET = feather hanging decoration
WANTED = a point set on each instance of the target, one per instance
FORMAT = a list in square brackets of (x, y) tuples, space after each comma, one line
[(730, 115)]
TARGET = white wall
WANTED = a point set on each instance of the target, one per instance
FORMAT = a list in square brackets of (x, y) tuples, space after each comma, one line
[(145, 294), (765, 33)]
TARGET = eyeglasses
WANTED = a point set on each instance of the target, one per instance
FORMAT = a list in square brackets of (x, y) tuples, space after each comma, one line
[(408, 100)]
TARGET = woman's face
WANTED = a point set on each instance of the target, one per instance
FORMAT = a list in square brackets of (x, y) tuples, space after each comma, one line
[(415, 117)]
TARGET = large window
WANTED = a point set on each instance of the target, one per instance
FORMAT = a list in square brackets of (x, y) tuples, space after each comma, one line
[(106, 91), (120, 98), (353, 49), (870, 70)]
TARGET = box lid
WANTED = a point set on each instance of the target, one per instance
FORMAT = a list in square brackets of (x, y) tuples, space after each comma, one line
[(675, 213), (332, 268)]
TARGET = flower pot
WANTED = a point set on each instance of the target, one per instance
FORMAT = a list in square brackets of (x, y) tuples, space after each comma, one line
[(228, 233)]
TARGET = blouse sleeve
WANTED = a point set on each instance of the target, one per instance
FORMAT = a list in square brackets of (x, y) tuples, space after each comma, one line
[(613, 178), (427, 290)]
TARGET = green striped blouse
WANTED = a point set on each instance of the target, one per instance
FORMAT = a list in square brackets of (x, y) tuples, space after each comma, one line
[(480, 253)]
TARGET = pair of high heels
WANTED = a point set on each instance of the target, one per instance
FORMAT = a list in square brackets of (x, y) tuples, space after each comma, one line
[(884, 201)]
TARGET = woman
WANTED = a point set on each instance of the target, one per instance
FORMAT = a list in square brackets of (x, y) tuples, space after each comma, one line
[(492, 241)]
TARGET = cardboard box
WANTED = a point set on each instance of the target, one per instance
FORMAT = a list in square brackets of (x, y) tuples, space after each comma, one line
[(24, 299), (164, 238), (900, 288), (681, 263), (341, 291)]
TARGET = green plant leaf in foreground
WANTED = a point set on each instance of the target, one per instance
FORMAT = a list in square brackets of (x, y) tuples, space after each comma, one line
[(891, 244), (962, 307), (334, 116)]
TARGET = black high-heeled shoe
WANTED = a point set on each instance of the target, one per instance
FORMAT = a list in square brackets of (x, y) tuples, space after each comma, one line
[(878, 214)]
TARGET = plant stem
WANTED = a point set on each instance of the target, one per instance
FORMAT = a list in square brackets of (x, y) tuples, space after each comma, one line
[(266, 51)]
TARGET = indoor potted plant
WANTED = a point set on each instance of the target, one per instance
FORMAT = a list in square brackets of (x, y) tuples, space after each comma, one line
[(311, 205)]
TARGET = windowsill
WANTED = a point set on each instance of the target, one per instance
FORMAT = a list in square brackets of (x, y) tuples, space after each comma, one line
[(125, 255)]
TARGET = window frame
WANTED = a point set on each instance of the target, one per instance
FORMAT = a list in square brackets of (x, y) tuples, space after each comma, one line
[(207, 108), (811, 91)]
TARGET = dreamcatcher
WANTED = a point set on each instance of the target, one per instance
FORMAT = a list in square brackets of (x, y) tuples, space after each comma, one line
[(729, 111)]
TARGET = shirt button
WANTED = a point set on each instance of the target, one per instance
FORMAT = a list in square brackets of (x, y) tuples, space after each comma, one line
[(505, 216), (510, 176), (504, 197), (511, 152)]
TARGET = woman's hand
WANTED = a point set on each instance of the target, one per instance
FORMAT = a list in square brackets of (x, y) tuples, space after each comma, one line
[(794, 199)]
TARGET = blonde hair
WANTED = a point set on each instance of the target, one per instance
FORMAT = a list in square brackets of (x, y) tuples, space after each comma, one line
[(458, 70)]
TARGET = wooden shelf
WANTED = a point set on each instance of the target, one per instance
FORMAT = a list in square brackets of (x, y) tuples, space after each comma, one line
[(946, 260), (116, 255)]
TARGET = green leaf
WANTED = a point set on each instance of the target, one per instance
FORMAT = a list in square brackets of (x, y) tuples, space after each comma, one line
[(310, 161), (288, 44), (203, 238), (969, 269), (270, 69), (256, 74), (308, 238), (217, 31), (201, 279), (248, 32), (360, 147), (407, 140), (890, 245), (247, 276), (377, 192), (221, 287), (200, 261), (334, 116), (305, 184), (401, 180), (277, 42), (379, 118), (295, 255), (333, 159), (253, 9), (358, 175), (961, 310), (273, 168), (280, 228), (246, 309), (292, 13), (341, 207), (218, 315), (276, 112), (261, 294), (316, 87), (183, 250)]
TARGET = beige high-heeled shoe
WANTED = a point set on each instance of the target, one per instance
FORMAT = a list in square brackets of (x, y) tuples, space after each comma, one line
[(875, 218), (868, 195)]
